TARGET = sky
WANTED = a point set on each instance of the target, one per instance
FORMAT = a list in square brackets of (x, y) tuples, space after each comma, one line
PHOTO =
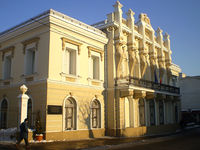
[(179, 18)]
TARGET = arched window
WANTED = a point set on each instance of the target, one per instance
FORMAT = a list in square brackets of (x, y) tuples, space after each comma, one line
[(70, 114), (161, 112), (4, 111), (29, 113), (152, 112), (142, 112), (96, 114)]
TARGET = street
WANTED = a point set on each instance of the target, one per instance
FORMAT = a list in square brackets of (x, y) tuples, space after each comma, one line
[(186, 140)]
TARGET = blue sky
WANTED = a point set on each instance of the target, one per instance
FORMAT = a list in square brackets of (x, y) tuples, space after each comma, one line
[(179, 18)]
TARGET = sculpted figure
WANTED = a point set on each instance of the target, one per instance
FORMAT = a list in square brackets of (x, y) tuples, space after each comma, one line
[(153, 67), (143, 64), (119, 58), (161, 70)]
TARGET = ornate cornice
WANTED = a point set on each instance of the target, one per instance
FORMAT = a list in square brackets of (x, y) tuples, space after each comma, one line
[(30, 41), (95, 50), (64, 40), (11, 48)]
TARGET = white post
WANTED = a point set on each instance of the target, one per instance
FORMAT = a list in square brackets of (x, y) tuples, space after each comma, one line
[(23, 102)]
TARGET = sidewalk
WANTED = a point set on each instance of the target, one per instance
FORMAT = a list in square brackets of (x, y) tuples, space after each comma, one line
[(95, 144)]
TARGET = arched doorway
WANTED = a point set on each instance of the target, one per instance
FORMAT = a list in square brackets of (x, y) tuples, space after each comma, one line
[(4, 112)]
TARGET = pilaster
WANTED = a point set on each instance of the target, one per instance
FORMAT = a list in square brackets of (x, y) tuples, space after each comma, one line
[(110, 55)]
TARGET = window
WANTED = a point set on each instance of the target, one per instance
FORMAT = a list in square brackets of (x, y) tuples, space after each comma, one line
[(152, 112), (70, 114), (29, 114), (7, 67), (95, 114), (95, 67), (69, 59), (7, 55), (4, 111), (161, 112), (30, 61), (95, 59), (142, 112)]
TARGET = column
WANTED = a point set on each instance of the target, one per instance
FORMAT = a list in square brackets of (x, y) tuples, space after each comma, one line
[(23, 102)]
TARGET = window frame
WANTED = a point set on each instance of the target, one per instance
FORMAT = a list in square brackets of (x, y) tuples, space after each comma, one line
[(30, 44), (7, 52), (74, 117), (97, 109), (95, 67), (30, 63)]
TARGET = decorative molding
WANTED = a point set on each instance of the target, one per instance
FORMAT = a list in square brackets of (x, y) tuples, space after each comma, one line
[(126, 93), (30, 41), (64, 40), (151, 95), (11, 48), (139, 94), (95, 50)]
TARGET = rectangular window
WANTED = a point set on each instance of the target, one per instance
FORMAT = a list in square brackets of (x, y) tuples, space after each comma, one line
[(70, 59), (72, 62), (7, 67), (30, 61), (95, 67)]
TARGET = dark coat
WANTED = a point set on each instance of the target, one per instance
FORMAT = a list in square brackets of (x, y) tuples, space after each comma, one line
[(24, 130)]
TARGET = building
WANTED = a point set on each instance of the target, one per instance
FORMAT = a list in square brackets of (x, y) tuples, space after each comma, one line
[(190, 98), (113, 78), (139, 74)]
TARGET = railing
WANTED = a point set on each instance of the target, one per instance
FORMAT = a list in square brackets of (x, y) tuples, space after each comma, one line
[(153, 85)]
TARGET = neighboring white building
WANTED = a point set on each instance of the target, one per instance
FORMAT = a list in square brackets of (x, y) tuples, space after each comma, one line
[(190, 98)]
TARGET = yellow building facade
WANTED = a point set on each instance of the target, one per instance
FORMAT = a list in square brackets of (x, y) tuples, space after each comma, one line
[(113, 78), (141, 81)]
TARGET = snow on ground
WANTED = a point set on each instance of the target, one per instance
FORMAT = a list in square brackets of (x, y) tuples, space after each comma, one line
[(8, 135)]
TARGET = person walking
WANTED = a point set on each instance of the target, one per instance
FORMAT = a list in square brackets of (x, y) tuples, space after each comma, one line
[(23, 133)]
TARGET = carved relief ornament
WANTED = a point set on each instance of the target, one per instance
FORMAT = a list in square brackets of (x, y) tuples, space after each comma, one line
[(95, 50), (65, 40), (30, 41), (8, 49)]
